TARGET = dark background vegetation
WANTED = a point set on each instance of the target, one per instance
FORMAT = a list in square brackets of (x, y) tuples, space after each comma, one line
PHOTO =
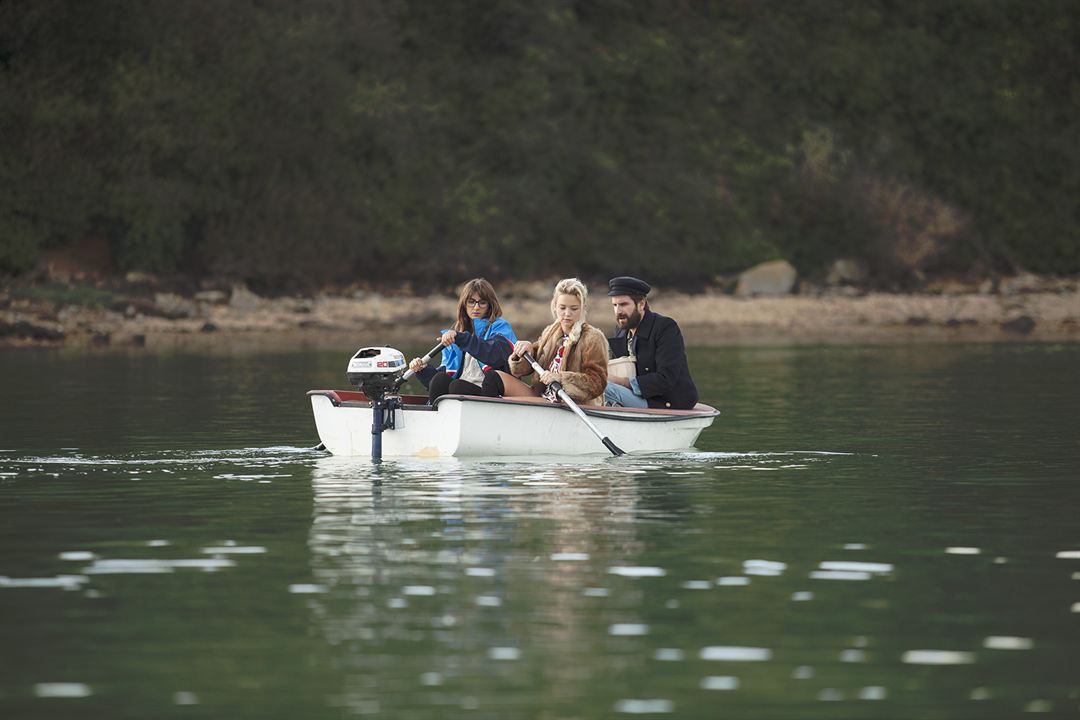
[(297, 143)]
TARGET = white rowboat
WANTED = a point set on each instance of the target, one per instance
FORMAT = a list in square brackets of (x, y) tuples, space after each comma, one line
[(463, 425)]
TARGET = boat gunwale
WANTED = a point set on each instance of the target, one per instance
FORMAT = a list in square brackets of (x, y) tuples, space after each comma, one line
[(415, 403)]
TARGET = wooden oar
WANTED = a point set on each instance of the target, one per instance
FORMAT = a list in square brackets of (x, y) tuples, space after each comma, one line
[(558, 388)]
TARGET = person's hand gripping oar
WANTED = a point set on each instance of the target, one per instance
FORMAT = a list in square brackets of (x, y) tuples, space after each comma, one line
[(558, 388), (423, 361), (400, 381)]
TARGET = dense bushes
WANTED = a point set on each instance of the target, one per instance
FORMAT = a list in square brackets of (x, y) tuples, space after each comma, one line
[(301, 142)]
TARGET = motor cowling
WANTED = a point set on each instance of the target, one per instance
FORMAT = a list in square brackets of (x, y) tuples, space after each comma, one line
[(374, 371)]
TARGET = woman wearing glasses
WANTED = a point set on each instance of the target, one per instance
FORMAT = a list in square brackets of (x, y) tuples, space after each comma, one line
[(480, 342)]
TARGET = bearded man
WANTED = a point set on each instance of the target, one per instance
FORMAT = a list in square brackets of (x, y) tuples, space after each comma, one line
[(663, 376)]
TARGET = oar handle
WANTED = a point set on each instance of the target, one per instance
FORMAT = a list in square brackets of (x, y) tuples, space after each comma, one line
[(424, 360), (558, 388), (536, 366)]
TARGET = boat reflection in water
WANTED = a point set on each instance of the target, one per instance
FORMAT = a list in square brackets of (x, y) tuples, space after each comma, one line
[(468, 584)]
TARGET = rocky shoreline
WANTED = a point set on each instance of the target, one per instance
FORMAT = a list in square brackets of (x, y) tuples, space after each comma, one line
[(1026, 307)]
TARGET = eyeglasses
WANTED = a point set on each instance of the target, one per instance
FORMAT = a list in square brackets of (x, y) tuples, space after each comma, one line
[(476, 303)]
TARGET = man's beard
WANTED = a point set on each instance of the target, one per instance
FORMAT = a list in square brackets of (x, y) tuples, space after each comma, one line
[(631, 321)]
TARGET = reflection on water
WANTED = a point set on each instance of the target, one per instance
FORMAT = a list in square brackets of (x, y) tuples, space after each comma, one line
[(463, 570), (865, 532), (436, 565)]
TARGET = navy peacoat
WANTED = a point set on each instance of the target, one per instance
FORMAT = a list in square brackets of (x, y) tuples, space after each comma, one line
[(662, 371)]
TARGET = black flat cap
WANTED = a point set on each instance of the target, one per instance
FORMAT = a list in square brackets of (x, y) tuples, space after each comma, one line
[(626, 285)]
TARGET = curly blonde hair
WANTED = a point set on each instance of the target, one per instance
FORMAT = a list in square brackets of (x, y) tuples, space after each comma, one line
[(571, 286)]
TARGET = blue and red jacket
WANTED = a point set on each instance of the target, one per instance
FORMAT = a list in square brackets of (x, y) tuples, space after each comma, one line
[(491, 343)]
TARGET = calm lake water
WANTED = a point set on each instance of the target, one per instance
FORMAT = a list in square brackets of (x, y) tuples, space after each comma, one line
[(866, 532)]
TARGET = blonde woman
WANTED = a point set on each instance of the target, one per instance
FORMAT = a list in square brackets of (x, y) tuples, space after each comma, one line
[(574, 353)]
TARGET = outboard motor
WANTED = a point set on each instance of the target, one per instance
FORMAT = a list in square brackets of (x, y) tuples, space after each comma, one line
[(376, 372)]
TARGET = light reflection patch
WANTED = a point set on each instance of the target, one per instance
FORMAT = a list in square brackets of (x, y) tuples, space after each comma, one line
[(119, 566), (937, 657), (235, 550), (764, 567), (839, 575), (62, 690), (306, 589), (876, 568), (1006, 642), (504, 653), (64, 582), (634, 571), (184, 697), (644, 707), (720, 682), (735, 653), (852, 655)]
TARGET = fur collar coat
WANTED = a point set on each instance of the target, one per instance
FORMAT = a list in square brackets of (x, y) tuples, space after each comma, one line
[(584, 366)]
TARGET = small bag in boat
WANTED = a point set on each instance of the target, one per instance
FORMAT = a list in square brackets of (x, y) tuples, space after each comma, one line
[(623, 367)]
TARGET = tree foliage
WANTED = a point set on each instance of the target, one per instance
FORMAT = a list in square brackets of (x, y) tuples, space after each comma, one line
[(303, 142)]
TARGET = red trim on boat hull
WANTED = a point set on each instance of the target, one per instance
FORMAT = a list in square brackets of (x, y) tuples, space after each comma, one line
[(420, 402)]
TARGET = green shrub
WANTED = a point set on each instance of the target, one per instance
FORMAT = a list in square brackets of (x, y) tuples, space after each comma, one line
[(63, 294)]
